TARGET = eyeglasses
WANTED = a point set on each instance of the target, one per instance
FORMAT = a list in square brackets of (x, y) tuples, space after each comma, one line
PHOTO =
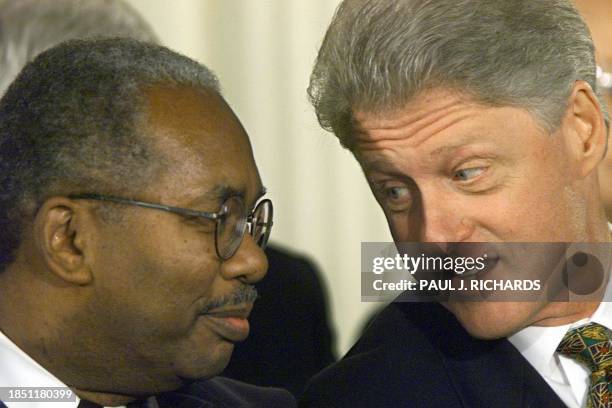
[(231, 220)]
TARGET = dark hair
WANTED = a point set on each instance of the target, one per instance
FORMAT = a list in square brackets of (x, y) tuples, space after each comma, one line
[(70, 123)]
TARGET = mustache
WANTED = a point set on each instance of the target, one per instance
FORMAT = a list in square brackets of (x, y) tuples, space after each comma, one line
[(243, 294)]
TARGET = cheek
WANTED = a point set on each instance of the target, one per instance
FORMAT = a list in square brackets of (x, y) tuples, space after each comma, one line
[(168, 287), (154, 280), (531, 202)]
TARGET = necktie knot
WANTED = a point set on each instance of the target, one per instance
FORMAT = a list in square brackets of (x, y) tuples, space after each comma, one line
[(591, 345)]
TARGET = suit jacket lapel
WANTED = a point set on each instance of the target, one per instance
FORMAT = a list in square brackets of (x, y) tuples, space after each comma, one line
[(488, 373), (494, 373), (537, 391)]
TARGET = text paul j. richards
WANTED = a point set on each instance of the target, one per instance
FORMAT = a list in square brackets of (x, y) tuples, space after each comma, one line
[(458, 285)]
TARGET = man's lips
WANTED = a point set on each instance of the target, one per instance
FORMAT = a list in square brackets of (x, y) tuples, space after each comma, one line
[(229, 323)]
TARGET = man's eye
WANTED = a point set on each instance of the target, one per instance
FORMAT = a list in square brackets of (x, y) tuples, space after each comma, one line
[(468, 174), (398, 198), (398, 193)]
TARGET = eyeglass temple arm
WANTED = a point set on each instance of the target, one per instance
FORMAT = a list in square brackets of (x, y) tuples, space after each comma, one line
[(177, 210)]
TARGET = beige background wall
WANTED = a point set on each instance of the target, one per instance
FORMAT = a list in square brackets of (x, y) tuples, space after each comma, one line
[(262, 51)]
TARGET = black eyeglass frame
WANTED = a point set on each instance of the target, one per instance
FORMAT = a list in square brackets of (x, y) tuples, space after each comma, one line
[(214, 216)]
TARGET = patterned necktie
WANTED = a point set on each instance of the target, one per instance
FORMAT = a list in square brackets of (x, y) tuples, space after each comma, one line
[(591, 345)]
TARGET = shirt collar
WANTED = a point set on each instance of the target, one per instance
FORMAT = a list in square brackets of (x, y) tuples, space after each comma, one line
[(538, 344), (20, 370)]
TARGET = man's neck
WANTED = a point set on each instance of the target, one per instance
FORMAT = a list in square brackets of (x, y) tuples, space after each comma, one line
[(562, 313)]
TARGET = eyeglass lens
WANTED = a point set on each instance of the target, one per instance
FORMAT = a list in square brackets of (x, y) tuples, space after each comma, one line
[(260, 224), (231, 227)]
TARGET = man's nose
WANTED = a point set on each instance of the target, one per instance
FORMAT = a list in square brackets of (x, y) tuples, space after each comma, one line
[(443, 219), (249, 264)]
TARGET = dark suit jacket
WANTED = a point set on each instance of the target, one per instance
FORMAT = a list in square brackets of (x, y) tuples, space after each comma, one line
[(418, 355), (290, 339), (220, 392)]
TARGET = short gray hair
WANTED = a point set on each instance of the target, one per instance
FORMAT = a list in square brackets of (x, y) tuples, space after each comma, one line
[(378, 54), (28, 27), (73, 121)]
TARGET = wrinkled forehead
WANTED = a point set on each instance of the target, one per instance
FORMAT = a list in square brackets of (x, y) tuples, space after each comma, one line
[(411, 123), (423, 108), (436, 124)]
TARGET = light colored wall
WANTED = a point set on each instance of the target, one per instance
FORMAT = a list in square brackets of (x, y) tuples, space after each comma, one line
[(263, 51)]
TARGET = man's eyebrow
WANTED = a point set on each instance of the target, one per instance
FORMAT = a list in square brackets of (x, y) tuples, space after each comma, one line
[(381, 165), (447, 149), (460, 142), (467, 144)]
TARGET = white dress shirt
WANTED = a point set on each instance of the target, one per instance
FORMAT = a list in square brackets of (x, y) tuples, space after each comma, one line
[(568, 378), (17, 369)]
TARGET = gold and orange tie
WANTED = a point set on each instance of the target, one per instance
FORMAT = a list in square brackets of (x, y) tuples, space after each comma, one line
[(591, 345)]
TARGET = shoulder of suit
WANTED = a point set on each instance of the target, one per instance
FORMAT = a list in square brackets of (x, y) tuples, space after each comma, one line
[(226, 392)]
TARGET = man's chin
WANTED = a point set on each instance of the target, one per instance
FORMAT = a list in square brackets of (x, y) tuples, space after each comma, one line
[(206, 366)]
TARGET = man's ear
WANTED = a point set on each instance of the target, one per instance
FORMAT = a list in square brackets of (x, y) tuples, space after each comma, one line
[(585, 129), (60, 233)]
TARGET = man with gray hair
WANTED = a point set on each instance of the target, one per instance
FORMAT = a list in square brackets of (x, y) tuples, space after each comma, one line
[(132, 228), (474, 121), (279, 351), (28, 27)]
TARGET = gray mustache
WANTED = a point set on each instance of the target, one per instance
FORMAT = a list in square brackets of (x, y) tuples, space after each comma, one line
[(244, 294)]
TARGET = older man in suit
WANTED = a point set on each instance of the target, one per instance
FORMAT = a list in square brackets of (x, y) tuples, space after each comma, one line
[(474, 121), (286, 344), (132, 228)]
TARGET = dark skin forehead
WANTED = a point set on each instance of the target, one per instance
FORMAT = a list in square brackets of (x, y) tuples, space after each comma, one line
[(206, 151)]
